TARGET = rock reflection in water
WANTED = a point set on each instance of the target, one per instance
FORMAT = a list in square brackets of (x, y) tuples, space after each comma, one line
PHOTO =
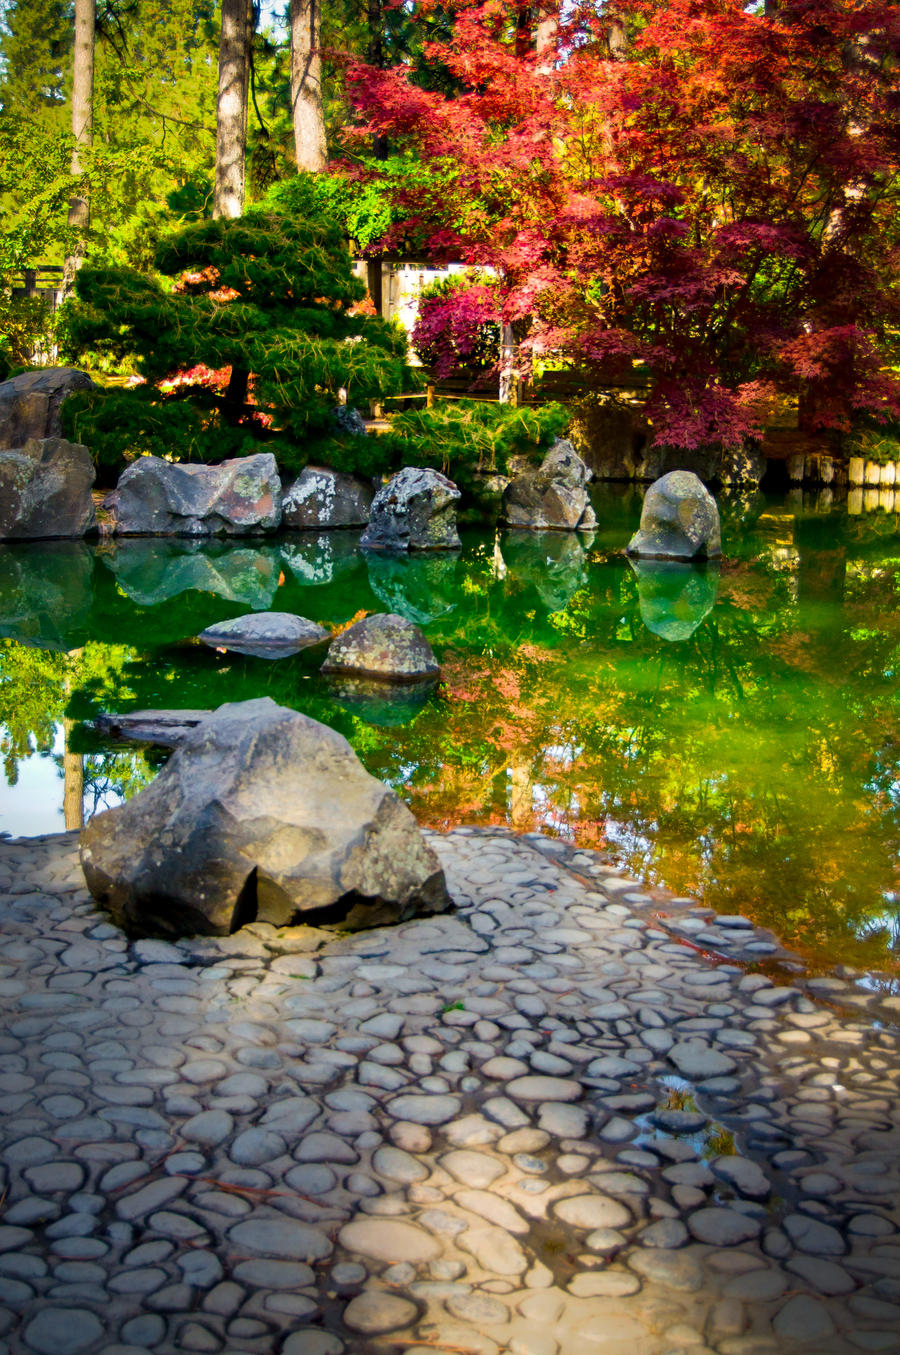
[(420, 588), (316, 558), (46, 593), (384, 704), (674, 597), (154, 570), (553, 563)]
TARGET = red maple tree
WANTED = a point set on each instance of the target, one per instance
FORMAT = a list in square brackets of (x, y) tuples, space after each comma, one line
[(682, 184)]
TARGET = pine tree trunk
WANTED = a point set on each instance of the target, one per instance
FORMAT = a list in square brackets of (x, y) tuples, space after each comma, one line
[(306, 85), (82, 128), (231, 108)]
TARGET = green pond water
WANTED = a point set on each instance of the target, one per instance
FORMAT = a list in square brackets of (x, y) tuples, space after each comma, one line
[(733, 733)]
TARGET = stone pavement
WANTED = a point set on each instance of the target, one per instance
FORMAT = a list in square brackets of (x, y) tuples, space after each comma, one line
[(541, 1125)]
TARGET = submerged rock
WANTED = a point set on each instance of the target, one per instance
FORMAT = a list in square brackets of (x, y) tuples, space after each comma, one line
[(163, 498), (674, 597), (679, 520), (45, 490), (554, 498), (269, 635), (383, 646), (260, 814), (30, 403), (415, 510), (322, 497)]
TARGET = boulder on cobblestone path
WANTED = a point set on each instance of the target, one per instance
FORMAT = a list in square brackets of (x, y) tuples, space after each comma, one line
[(322, 497), (679, 520), (260, 814), (45, 490), (267, 635), (164, 498), (553, 498), (30, 403), (384, 646), (415, 510)]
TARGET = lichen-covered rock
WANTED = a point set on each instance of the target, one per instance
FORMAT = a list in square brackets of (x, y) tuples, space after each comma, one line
[(383, 646), (30, 403), (322, 497), (270, 635), (679, 520), (415, 510), (45, 490), (554, 498), (163, 498), (260, 813)]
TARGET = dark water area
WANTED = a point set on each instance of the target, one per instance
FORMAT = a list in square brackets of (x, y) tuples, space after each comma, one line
[(731, 732)]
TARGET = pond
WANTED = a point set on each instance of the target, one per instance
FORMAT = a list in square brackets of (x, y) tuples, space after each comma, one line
[(731, 732)]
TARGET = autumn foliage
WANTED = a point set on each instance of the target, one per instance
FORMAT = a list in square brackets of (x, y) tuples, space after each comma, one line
[(683, 186)]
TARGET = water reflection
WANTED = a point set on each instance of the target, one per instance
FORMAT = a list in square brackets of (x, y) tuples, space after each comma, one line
[(155, 570), (552, 564), (316, 558), (754, 766), (46, 593), (418, 587), (384, 705), (674, 597)]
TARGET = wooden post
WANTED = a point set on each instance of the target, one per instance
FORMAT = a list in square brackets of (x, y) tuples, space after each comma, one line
[(507, 391), (429, 397)]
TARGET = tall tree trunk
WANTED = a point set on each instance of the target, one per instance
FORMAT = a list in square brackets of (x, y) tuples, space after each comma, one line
[(82, 128), (306, 85), (231, 108), (73, 783)]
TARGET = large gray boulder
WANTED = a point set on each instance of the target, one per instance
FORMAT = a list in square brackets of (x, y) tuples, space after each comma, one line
[(260, 814), (679, 521), (267, 635), (415, 510), (45, 490), (30, 403), (553, 498), (382, 646), (322, 497), (164, 498)]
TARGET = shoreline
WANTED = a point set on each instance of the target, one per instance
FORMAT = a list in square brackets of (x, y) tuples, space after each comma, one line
[(539, 1124)]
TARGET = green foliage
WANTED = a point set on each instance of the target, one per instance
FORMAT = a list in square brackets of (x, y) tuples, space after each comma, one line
[(875, 442), (270, 297), (473, 436), (31, 697), (366, 209)]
